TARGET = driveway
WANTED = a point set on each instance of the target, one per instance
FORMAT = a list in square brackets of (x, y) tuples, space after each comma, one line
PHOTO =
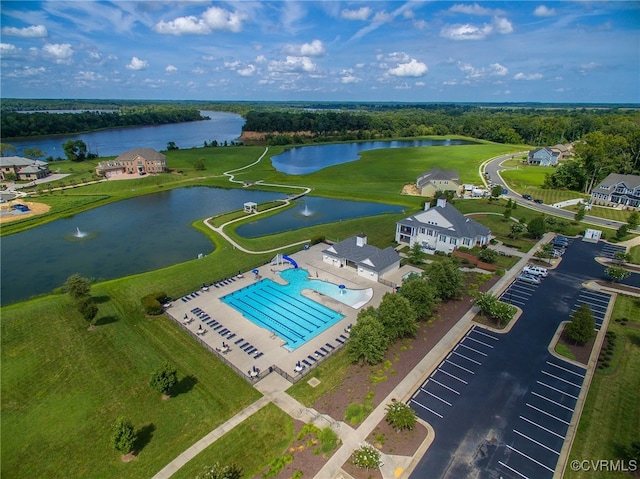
[(501, 404)]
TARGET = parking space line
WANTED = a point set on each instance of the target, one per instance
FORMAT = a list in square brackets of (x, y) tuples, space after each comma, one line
[(513, 301), (445, 386), (474, 350), (592, 297), (437, 397), (548, 414), (562, 379), (479, 342), (513, 470), (454, 377), (479, 331), (530, 458), (591, 305), (468, 359), (536, 442), (458, 366), (565, 369), (557, 390), (552, 401), (425, 407), (542, 427)]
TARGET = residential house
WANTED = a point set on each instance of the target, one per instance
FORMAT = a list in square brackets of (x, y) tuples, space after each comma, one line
[(617, 189), (441, 228), (370, 262), (23, 168), (546, 156), (137, 161), (438, 180)]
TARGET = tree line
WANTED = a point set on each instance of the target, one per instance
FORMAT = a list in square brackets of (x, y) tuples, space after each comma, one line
[(16, 125)]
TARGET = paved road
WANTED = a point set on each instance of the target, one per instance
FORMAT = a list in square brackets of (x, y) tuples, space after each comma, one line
[(493, 168), (501, 404)]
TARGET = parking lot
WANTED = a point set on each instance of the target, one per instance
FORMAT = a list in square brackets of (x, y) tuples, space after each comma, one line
[(501, 404)]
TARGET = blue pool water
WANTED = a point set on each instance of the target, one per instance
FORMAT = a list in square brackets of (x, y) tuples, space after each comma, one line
[(283, 310)]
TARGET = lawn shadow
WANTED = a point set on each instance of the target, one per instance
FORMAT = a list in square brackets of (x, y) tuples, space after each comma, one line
[(143, 437), (634, 338), (101, 299), (183, 386), (106, 320)]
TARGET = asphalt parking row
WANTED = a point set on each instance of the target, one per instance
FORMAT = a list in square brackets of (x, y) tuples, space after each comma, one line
[(519, 292), (597, 301), (609, 250), (532, 447), (449, 379)]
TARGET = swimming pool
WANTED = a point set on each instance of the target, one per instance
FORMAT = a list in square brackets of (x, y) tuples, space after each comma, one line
[(283, 310)]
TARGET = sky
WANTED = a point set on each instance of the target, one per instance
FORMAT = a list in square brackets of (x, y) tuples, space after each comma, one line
[(387, 51)]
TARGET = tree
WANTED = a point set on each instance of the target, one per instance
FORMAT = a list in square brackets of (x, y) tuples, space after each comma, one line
[(582, 326), (579, 216), (506, 214), (421, 294), (616, 273), (76, 150), (164, 378), (446, 278), (622, 232), (397, 316), (230, 471), (88, 308), (171, 145), (634, 220), (496, 191), (503, 312), (488, 255), (7, 150), (34, 153), (416, 254), (486, 302), (400, 416), (517, 228), (77, 286), (123, 437), (622, 256), (368, 341), (199, 164), (536, 227)]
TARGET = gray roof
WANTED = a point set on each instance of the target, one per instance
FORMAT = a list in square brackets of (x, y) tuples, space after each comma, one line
[(630, 181), (367, 256), (462, 227), (437, 175), (146, 153), (8, 161)]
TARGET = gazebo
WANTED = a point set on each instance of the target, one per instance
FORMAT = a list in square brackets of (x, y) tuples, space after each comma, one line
[(250, 207)]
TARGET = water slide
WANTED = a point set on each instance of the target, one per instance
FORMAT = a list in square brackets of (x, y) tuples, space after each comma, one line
[(290, 260)]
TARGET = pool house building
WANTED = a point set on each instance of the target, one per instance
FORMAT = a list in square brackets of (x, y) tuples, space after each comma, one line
[(370, 262)]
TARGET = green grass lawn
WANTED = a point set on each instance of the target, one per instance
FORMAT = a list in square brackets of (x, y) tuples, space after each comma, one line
[(527, 179), (611, 415), (606, 213)]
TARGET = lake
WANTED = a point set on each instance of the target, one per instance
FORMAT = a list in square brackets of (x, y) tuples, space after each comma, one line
[(142, 234), (308, 159), (221, 127)]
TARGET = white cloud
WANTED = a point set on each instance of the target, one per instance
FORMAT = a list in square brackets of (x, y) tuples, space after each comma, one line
[(34, 31), (468, 31), (359, 14), (474, 9), (292, 64), (137, 64), (60, 52), (530, 76), (247, 71), (27, 72), (349, 79), (413, 68), (214, 18), (544, 11), (9, 50), (261, 59), (382, 17), (85, 76), (471, 72), (313, 49), (170, 69)]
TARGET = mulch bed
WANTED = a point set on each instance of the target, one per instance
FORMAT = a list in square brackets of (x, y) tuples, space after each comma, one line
[(581, 353)]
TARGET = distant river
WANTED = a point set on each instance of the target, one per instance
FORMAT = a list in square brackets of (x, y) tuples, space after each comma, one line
[(221, 127)]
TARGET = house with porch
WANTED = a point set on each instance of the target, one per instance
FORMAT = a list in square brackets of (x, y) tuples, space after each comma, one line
[(618, 190), (369, 261), (137, 161), (438, 180), (441, 228), (23, 168), (545, 156)]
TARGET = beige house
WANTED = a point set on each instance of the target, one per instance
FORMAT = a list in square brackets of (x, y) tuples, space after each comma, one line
[(137, 161), (438, 180), (23, 168)]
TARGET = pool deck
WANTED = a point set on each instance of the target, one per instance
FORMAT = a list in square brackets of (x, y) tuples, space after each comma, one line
[(265, 342)]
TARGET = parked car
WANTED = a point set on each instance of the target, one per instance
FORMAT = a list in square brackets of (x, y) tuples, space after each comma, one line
[(557, 252), (527, 197), (538, 200), (535, 270), (557, 244), (528, 278)]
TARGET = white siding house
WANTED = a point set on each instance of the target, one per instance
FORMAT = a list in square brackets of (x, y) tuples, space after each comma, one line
[(616, 189)]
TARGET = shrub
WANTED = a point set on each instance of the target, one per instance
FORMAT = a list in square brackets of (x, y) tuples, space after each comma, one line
[(151, 305), (366, 457), (400, 416), (164, 378), (123, 437)]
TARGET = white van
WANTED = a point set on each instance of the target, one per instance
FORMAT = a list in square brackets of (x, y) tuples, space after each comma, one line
[(535, 270)]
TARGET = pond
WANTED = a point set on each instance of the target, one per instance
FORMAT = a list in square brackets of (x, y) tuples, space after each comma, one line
[(308, 159), (221, 126), (138, 235)]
